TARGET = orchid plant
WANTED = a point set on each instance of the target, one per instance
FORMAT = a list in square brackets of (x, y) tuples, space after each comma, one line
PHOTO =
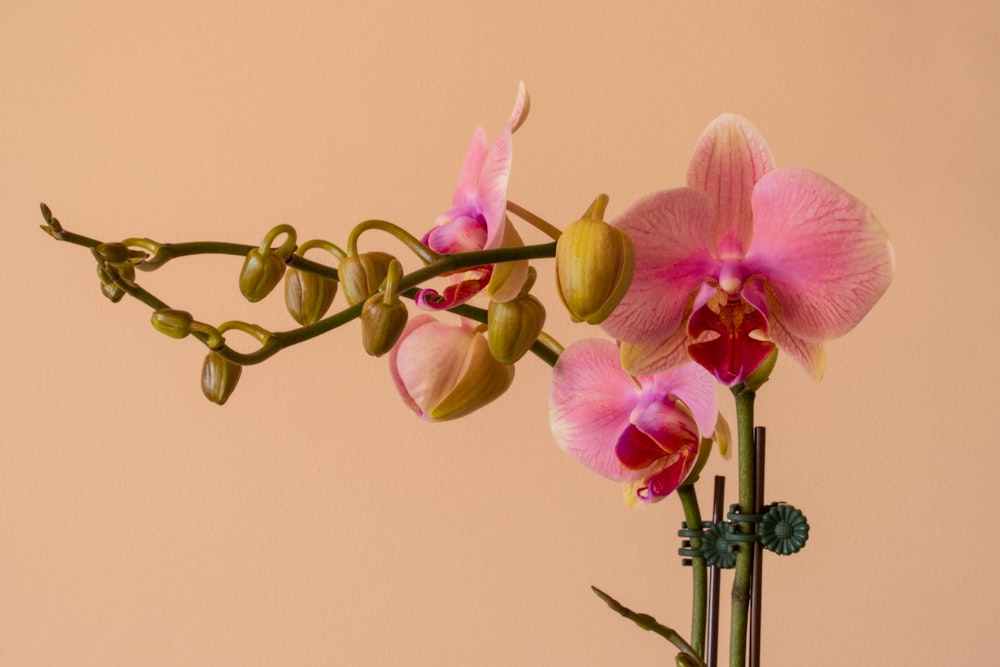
[(695, 285)]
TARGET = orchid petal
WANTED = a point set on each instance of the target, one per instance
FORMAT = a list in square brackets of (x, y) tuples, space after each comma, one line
[(653, 358), (424, 344), (695, 387), (732, 354), (457, 293), (636, 450), (491, 188), (475, 155), (668, 232), (729, 158), (590, 403), (461, 233), (672, 476), (522, 104), (824, 258)]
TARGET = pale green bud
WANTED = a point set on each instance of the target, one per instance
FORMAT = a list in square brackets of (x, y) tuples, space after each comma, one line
[(260, 274), (514, 326), (381, 324), (361, 275), (174, 323), (594, 265), (308, 295), (219, 377)]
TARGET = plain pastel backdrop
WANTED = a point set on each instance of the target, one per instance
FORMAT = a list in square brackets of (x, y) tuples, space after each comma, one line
[(313, 520)]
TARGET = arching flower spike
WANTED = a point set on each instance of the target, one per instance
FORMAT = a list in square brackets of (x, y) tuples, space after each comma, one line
[(644, 432), (746, 258), (478, 219)]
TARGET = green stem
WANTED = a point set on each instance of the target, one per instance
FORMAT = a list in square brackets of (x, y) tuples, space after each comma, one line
[(699, 573), (647, 622), (549, 229), (410, 241), (744, 558)]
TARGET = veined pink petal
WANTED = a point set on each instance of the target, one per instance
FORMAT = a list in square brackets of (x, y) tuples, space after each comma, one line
[(823, 257), (658, 357), (465, 190), (669, 232), (590, 403), (491, 188), (729, 158)]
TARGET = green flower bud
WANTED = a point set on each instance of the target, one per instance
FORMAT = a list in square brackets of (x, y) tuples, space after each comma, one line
[(219, 377), (174, 323), (361, 275), (113, 253), (381, 324), (308, 295), (108, 286), (594, 264), (112, 292), (261, 273), (514, 326)]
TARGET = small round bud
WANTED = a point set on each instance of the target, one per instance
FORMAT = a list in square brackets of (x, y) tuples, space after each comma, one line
[(381, 324), (113, 253), (174, 323), (362, 274), (308, 295), (219, 377), (594, 265), (260, 274), (514, 326)]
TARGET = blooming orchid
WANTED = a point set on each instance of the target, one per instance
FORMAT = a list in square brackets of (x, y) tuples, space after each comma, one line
[(477, 219), (745, 258), (645, 431), (445, 371)]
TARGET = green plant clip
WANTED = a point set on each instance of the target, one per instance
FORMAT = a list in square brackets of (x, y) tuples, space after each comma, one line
[(783, 529)]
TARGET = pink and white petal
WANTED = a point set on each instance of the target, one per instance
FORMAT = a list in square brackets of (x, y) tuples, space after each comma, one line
[(491, 189), (590, 403), (672, 258), (811, 356), (428, 361), (462, 290), (522, 104), (825, 259), (657, 357), (729, 158), (695, 387), (475, 155)]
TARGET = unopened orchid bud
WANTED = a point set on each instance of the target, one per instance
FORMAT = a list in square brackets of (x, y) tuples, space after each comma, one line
[(174, 323), (594, 264), (260, 274), (108, 287), (219, 377), (514, 326), (445, 371), (361, 275), (113, 253), (308, 295), (382, 323)]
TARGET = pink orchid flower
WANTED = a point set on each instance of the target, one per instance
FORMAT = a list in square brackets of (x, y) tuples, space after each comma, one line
[(478, 219), (746, 258), (446, 371), (644, 431)]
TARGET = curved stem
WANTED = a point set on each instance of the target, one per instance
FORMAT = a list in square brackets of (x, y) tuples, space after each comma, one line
[(699, 573), (549, 229), (744, 558), (410, 241), (647, 622)]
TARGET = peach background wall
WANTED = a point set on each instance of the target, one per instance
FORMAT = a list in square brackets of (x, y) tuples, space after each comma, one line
[(313, 520)]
